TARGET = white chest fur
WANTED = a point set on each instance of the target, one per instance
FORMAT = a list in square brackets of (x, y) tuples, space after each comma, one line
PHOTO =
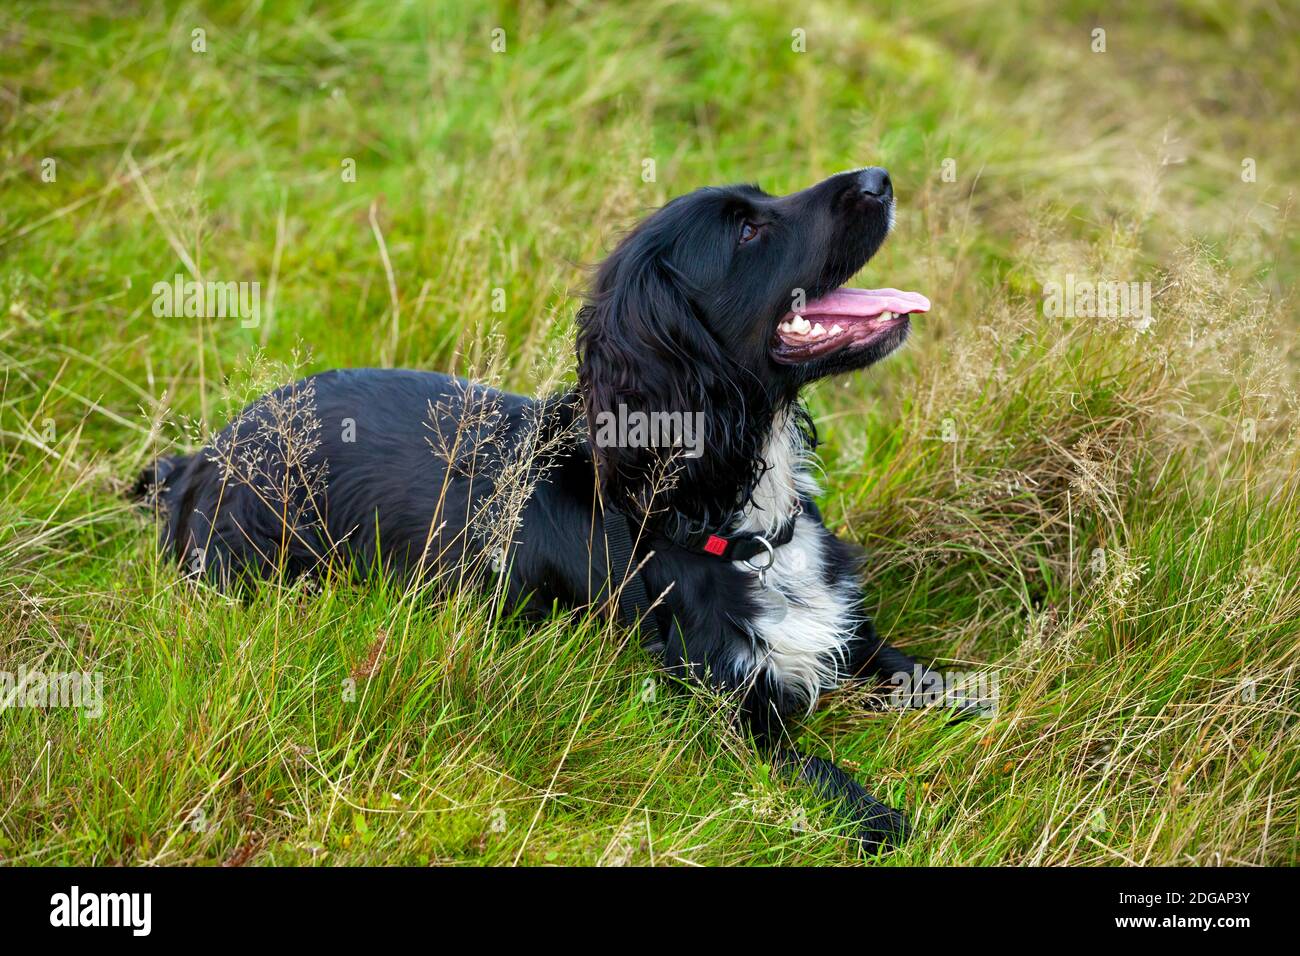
[(803, 628)]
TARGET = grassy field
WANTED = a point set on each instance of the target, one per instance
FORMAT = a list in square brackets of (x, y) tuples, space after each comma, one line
[(1102, 511)]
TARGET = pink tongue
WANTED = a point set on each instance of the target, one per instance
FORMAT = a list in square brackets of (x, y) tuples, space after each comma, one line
[(867, 303)]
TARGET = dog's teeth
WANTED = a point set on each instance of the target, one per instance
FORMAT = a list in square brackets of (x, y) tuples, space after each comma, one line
[(886, 315), (836, 329), (817, 330), (799, 324)]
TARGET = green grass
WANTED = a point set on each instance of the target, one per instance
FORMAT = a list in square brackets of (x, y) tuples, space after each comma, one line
[(1148, 696)]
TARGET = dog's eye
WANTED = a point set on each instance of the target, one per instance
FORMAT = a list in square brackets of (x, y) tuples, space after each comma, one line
[(748, 231)]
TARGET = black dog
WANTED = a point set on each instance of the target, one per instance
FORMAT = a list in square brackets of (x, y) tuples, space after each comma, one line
[(715, 311)]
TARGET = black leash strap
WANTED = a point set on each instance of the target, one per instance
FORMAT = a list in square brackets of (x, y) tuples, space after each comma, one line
[(624, 580)]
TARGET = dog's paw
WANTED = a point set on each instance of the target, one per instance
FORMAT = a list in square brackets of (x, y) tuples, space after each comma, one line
[(880, 827), (875, 825)]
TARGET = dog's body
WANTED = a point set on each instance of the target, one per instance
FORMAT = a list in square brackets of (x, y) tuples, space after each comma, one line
[(418, 472)]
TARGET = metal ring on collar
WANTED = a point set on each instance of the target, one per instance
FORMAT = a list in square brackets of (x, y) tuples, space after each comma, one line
[(771, 556)]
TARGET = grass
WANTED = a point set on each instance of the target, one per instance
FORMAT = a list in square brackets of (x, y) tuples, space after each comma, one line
[(1105, 515)]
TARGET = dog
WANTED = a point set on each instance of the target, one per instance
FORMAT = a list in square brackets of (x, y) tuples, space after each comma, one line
[(720, 306)]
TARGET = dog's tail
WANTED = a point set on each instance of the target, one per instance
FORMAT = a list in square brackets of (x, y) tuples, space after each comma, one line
[(161, 487), (156, 479)]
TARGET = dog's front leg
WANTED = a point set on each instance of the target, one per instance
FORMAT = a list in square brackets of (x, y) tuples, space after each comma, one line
[(871, 659), (769, 714), (876, 825), (913, 684)]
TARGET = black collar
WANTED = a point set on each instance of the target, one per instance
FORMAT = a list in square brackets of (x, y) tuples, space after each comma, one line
[(627, 586), (699, 538)]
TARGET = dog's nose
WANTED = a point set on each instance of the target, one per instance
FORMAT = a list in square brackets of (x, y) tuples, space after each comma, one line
[(874, 181)]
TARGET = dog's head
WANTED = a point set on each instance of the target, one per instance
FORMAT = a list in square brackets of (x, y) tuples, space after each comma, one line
[(725, 302)]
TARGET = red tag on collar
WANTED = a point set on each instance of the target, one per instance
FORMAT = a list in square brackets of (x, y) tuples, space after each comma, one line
[(716, 545)]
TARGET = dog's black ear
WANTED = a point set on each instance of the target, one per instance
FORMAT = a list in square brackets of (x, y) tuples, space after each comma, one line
[(642, 348)]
